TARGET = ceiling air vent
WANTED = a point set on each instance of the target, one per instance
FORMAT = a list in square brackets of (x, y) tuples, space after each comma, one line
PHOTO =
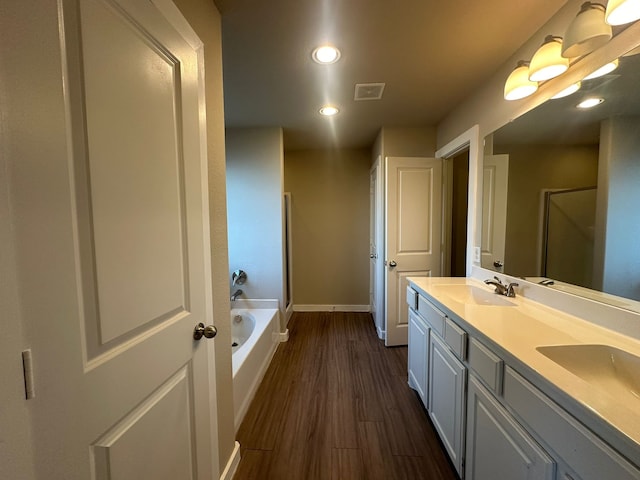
[(368, 91)]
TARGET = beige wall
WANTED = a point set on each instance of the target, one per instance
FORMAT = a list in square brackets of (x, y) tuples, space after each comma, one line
[(533, 168), (255, 211), (330, 225), (204, 18)]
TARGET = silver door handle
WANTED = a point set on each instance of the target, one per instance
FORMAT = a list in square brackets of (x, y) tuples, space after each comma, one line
[(200, 331), (393, 263), (498, 264)]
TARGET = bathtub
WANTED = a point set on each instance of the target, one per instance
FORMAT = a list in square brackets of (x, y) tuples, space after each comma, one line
[(255, 335)]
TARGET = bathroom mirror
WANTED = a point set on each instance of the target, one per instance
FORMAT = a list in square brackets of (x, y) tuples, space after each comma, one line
[(571, 209)]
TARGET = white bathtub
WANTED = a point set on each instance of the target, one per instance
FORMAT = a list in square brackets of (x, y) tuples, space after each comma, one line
[(257, 335)]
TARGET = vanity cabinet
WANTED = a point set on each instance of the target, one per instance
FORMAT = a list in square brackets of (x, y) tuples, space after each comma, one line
[(418, 358), (493, 422), (446, 394), (497, 446)]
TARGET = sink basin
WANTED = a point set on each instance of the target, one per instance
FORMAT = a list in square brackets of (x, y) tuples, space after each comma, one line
[(470, 294), (607, 368)]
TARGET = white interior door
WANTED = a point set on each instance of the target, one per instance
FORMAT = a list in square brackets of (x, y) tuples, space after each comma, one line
[(376, 240), (116, 287), (413, 199), (494, 210)]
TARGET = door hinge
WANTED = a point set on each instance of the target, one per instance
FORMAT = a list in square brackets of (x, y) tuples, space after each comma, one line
[(27, 369)]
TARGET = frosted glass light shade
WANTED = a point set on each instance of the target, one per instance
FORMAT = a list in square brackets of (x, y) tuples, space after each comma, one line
[(608, 68), (571, 89), (518, 84), (548, 62), (620, 12), (587, 32)]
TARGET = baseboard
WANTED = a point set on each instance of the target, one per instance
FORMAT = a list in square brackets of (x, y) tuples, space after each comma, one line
[(382, 334), (331, 308), (232, 464)]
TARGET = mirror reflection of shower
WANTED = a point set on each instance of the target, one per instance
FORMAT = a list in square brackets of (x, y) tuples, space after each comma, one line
[(568, 235)]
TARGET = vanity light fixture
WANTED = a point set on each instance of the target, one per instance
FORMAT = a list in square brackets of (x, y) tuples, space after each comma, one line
[(608, 68), (620, 12), (587, 31), (518, 84), (590, 102), (548, 62), (328, 110), (325, 55), (568, 91)]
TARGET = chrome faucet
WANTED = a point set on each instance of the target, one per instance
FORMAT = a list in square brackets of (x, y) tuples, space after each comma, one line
[(501, 288), (235, 295)]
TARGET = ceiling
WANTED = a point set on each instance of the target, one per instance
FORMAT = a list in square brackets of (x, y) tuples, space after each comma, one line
[(430, 54)]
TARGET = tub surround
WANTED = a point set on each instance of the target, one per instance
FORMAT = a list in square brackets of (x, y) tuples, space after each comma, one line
[(516, 331)]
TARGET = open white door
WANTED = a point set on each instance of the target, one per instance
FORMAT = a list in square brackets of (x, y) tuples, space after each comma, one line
[(494, 211), (413, 197), (112, 251), (376, 239)]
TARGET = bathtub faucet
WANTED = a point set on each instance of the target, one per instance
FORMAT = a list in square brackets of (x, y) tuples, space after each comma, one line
[(235, 295)]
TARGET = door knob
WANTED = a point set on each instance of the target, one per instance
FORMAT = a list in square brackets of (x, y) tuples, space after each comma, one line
[(393, 263), (371, 255), (201, 331)]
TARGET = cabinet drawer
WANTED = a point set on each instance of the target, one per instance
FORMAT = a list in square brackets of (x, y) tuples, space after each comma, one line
[(412, 298), (586, 454), (487, 365), (456, 338), (431, 314)]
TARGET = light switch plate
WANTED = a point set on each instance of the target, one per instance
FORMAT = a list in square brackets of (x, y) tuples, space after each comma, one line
[(476, 254)]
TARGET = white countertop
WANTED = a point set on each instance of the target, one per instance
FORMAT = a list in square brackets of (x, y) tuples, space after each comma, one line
[(519, 329)]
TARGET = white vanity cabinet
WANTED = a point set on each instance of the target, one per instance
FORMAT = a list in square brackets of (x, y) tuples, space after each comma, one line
[(437, 347), (447, 382), (497, 446), (492, 420), (418, 358)]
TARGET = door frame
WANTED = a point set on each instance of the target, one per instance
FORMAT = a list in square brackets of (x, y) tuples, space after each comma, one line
[(470, 139), (380, 227)]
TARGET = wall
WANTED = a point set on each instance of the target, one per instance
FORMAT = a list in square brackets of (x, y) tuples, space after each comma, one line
[(617, 213), (533, 168), (330, 227), (204, 18), (255, 210)]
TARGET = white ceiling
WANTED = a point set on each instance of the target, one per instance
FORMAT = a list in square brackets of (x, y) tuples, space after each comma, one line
[(429, 53)]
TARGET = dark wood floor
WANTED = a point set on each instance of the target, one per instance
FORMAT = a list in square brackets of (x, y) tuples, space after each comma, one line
[(335, 404)]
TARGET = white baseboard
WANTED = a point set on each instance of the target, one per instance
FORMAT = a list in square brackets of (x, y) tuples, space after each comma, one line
[(232, 464), (331, 308), (382, 334)]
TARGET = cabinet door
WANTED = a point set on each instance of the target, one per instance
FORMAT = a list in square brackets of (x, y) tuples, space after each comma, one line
[(497, 446), (418, 355), (446, 395)]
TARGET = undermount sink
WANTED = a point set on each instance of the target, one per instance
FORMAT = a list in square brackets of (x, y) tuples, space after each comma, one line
[(470, 294), (607, 368)]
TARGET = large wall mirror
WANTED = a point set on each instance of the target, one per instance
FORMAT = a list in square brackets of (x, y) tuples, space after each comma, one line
[(561, 192)]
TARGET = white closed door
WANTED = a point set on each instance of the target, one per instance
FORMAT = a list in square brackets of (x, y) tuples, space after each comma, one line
[(413, 201), (115, 289), (495, 183)]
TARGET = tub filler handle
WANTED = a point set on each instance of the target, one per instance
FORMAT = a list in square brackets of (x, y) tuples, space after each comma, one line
[(200, 331)]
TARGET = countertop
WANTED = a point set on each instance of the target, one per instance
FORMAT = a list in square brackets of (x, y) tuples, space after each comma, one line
[(518, 330)]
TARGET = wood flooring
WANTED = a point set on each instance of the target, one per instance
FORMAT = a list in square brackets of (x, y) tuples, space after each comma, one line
[(335, 404)]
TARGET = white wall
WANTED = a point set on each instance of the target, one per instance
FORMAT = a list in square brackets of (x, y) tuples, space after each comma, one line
[(255, 179), (618, 213)]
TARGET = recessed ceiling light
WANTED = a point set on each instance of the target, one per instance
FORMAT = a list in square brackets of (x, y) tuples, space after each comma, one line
[(328, 110), (326, 54), (590, 102)]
